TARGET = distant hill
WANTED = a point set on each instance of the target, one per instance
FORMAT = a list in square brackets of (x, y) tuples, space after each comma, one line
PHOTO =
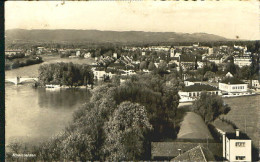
[(64, 35)]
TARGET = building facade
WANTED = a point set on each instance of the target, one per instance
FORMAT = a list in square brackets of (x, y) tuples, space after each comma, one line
[(233, 87), (192, 96), (236, 147), (242, 61)]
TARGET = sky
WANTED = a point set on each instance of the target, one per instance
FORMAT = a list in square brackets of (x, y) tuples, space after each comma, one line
[(223, 18)]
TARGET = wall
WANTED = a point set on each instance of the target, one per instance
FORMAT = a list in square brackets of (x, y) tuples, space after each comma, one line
[(240, 151), (233, 87)]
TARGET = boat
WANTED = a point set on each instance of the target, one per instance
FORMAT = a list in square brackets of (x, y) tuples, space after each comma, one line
[(52, 86)]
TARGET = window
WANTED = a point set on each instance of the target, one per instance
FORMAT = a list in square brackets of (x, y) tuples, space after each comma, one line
[(240, 144), (240, 157)]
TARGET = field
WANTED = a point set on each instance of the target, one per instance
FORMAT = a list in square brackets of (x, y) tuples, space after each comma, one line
[(32, 70), (245, 114)]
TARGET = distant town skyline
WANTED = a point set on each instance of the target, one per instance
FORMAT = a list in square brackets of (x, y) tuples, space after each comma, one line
[(231, 19)]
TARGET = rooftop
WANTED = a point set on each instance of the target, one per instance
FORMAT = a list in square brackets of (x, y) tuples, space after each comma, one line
[(241, 136), (170, 149), (198, 153), (199, 87), (232, 80)]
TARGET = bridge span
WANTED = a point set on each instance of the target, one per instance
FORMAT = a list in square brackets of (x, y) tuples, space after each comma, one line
[(19, 80)]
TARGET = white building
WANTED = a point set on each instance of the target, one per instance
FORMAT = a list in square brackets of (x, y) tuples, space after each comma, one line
[(255, 83), (78, 53), (229, 75), (233, 88), (172, 52), (210, 51), (236, 147), (101, 74), (215, 60), (242, 61), (143, 53), (192, 96), (87, 55), (115, 55), (129, 72)]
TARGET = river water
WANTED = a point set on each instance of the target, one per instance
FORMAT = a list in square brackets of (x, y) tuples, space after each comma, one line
[(35, 114)]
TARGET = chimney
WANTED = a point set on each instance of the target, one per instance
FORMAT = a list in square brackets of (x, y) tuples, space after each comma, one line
[(237, 132), (179, 151)]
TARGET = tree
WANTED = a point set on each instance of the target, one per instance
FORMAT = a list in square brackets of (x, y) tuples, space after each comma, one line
[(125, 132), (209, 107), (151, 66), (232, 68), (143, 65), (209, 75)]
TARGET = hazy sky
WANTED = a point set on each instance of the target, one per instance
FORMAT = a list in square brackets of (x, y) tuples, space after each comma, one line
[(228, 19)]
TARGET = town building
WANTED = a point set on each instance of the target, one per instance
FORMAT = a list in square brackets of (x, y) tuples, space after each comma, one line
[(192, 92), (12, 52), (233, 88), (242, 61), (237, 146), (87, 55), (78, 53), (115, 55), (198, 153), (210, 51), (172, 52), (256, 84)]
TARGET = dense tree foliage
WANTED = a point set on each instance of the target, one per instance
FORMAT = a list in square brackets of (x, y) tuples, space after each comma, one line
[(68, 74), (125, 132), (118, 122), (21, 62), (209, 107)]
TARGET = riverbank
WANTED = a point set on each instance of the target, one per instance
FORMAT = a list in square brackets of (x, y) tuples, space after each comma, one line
[(32, 70)]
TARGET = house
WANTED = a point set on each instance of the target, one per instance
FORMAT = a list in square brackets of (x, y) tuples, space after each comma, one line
[(237, 146), (193, 137), (87, 55), (128, 72), (115, 55), (216, 60), (12, 52), (78, 53), (256, 84), (192, 92), (242, 60), (198, 153), (210, 51), (169, 150), (233, 85), (229, 75), (172, 52)]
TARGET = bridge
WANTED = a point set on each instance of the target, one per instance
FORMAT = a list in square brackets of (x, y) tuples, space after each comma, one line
[(19, 80)]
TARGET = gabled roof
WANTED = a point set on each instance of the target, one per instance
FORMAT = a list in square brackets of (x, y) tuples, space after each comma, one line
[(166, 150), (198, 153)]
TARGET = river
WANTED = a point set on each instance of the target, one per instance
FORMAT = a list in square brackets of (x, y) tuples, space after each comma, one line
[(36, 114)]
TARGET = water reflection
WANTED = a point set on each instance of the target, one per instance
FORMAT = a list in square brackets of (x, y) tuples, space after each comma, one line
[(62, 98), (34, 115)]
